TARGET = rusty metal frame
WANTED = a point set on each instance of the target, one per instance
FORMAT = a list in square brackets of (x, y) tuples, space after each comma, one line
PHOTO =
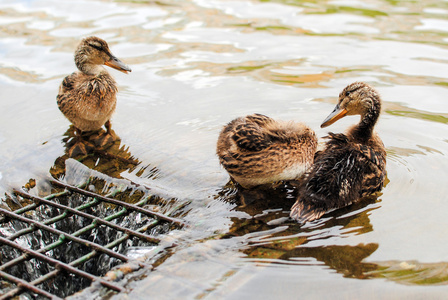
[(22, 215)]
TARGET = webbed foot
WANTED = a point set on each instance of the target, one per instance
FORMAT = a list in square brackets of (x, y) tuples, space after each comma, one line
[(78, 145), (106, 138), (80, 148)]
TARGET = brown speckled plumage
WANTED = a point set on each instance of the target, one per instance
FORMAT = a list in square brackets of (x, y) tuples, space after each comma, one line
[(87, 97), (258, 150), (352, 165)]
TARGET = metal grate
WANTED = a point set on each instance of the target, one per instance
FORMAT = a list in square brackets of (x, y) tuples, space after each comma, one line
[(47, 228)]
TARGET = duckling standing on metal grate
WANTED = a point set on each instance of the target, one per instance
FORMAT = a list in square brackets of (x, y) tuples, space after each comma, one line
[(352, 165), (87, 97), (258, 150)]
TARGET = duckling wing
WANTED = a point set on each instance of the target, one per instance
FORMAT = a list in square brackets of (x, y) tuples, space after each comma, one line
[(374, 179), (65, 91), (67, 84), (341, 174), (259, 119), (250, 135)]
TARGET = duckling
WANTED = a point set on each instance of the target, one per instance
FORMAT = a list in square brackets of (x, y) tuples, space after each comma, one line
[(257, 150), (352, 165), (87, 97)]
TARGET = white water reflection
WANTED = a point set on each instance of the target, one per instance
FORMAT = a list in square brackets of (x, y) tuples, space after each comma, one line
[(246, 9), (433, 25)]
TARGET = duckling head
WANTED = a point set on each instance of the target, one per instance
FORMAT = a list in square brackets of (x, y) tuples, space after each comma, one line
[(92, 53), (357, 98)]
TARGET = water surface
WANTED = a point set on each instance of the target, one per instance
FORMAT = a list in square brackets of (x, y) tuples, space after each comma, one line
[(199, 64)]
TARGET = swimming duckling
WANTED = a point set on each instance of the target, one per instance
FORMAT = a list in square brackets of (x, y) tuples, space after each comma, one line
[(258, 150), (87, 97), (352, 165)]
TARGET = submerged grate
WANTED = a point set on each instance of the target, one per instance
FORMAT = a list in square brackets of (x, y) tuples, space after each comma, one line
[(36, 240)]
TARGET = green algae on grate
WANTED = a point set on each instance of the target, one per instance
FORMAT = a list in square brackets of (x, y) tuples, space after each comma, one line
[(51, 234)]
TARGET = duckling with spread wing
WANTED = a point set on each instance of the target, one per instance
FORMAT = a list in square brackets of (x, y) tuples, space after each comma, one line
[(352, 165), (87, 97), (258, 150)]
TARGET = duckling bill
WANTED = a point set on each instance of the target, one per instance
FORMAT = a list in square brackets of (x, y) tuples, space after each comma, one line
[(87, 97), (257, 150), (352, 165)]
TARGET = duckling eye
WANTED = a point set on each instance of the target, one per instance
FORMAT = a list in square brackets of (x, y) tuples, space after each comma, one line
[(347, 93), (97, 47)]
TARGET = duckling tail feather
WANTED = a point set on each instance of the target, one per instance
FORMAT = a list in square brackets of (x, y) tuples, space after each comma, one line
[(303, 212)]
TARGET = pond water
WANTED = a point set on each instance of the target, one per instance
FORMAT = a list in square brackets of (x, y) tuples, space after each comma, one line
[(198, 64)]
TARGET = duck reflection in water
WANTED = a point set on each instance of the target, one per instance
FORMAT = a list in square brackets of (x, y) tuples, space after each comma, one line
[(112, 159), (272, 237), (87, 97)]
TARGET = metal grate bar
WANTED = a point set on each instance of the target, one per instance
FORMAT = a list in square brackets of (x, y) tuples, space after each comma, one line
[(118, 202), (94, 219), (47, 222), (23, 283), (47, 226), (61, 265), (79, 232), (49, 197), (55, 219), (64, 235), (84, 258), (60, 241), (34, 206), (50, 221)]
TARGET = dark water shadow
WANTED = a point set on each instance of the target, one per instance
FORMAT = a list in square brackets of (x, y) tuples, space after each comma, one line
[(273, 238), (286, 241), (110, 159)]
